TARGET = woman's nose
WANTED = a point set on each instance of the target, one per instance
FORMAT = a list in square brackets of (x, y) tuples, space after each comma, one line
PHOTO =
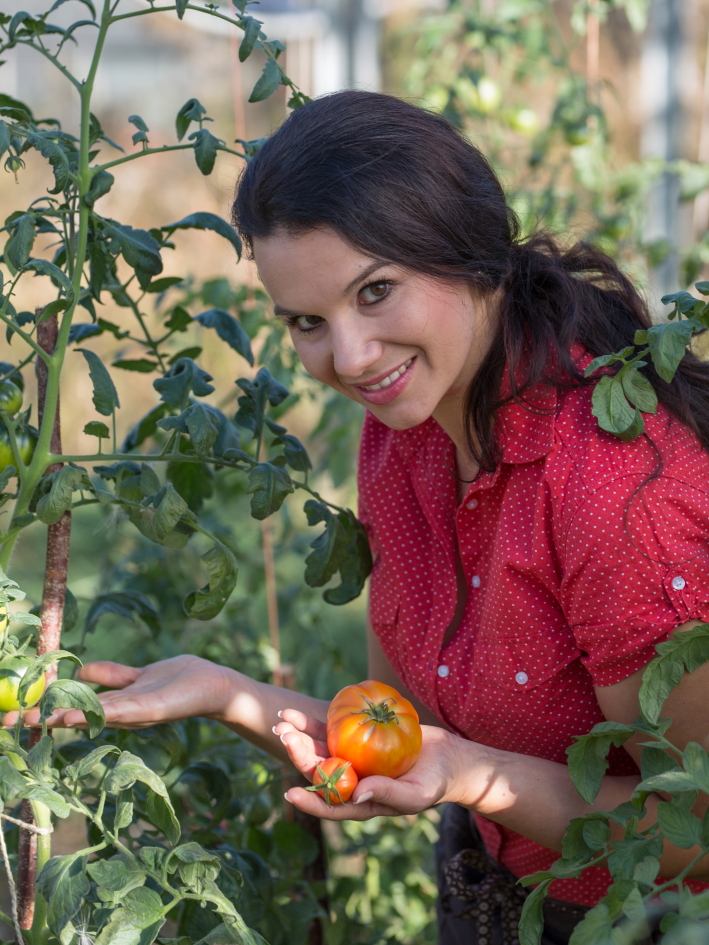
[(353, 357)]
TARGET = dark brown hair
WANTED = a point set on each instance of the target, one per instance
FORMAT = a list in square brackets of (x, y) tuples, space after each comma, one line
[(402, 184)]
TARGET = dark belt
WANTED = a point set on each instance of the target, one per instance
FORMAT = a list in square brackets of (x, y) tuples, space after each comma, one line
[(480, 902)]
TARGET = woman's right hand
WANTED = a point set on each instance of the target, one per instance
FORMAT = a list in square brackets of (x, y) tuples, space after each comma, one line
[(166, 691)]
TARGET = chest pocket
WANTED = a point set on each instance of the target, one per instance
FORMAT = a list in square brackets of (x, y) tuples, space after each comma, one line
[(521, 660)]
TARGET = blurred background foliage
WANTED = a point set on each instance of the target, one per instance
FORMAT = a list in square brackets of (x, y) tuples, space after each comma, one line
[(591, 139)]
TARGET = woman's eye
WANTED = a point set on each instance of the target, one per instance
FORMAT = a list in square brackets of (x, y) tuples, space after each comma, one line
[(307, 322), (374, 292)]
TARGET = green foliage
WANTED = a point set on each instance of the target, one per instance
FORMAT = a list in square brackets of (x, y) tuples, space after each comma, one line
[(626, 913), (154, 853)]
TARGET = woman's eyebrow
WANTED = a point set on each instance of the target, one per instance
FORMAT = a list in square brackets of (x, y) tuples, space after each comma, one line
[(377, 264)]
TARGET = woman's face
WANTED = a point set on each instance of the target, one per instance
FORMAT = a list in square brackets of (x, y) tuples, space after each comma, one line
[(404, 345)]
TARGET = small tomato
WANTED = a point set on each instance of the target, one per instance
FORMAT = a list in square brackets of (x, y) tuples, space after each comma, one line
[(10, 397), (12, 670), (374, 728), (26, 442), (336, 779)]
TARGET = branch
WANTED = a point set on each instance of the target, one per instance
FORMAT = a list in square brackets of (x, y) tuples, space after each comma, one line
[(53, 59)]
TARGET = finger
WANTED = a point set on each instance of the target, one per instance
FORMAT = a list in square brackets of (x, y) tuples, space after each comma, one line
[(305, 723), (406, 797), (320, 748), (311, 803), (301, 751), (111, 675)]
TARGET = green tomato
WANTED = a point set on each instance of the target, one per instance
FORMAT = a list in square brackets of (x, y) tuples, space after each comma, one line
[(489, 95), (12, 670), (26, 442), (524, 120), (578, 135), (259, 810), (10, 397)]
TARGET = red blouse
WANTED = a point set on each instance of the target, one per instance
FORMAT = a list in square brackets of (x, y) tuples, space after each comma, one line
[(577, 564)]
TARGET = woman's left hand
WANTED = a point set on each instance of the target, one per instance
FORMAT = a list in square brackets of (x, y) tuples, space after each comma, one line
[(435, 777)]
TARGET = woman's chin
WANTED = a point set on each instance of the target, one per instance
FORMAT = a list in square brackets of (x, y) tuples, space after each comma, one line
[(401, 419)]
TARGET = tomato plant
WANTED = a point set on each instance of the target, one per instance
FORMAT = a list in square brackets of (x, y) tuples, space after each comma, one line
[(374, 728), (157, 480), (335, 780)]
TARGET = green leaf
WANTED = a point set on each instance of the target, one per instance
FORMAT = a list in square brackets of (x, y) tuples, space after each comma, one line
[(105, 395), (531, 923), (115, 877), (192, 110), (205, 149), (193, 481), (58, 500), (268, 81), (45, 795), (674, 782), (596, 928), (183, 378), (54, 308), (59, 278), (129, 769), (252, 406), (702, 287), (126, 604), (162, 285), (4, 138), (144, 428), (614, 413), (680, 826), (55, 154), (596, 834), (209, 601), (668, 344), (638, 389), (85, 766), (683, 652), (294, 451), (646, 870), (229, 330), (343, 547), (181, 7), (101, 183), (17, 20), (72, 694), (207, 221), (124, 810), (137, 921), (64, 886), (587, 756), (252, 28), (199, 422), (139, 249), (11, 781), (140, 365), (97, 428), (268, 484), (696, 763), (39, 759), (19, 246), (657, 761), (161, 813)]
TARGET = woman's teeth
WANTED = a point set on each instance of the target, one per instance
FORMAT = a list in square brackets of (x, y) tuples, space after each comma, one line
[(391, 378)]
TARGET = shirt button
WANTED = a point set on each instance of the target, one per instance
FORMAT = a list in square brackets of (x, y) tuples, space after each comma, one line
[(678, 582), (443, 671), (475, 580), (521, 678), (473, 504)]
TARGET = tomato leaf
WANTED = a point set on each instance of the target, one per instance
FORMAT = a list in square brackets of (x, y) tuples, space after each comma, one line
[(268, 485), (587, 756), (72, 694), (64, 886), (203, 220), (343, 547), (209, 601), (58, 500), (105, 395), (128, 605), (183, 378), (683, 652), (229, 330), (268, 81), (531, 922)]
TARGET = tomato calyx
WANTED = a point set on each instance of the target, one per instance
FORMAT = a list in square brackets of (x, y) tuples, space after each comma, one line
[(378, 712), (329, 783)]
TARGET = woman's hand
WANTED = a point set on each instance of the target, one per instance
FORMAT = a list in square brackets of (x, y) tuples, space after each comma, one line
[(161, 692), (435, 777)]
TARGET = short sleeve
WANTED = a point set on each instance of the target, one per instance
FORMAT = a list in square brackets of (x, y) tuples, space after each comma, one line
[(635, 566)]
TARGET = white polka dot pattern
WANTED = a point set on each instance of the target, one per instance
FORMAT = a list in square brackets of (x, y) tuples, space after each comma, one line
[(576, 562)]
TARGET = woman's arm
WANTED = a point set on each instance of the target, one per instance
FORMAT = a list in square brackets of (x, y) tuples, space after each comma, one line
[(532, 796), (183, 687)]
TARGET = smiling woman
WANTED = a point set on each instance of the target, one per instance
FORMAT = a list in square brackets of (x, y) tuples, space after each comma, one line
[(526, 562)]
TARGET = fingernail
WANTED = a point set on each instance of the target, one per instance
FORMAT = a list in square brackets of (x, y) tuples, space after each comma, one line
[(280, 713), (365, 797), (286, 796), (274, 730)]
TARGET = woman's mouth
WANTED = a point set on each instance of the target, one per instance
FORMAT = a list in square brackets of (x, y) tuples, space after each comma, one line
[(389, 387)]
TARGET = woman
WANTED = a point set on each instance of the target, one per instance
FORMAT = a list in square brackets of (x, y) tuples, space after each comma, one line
[(526, 563)]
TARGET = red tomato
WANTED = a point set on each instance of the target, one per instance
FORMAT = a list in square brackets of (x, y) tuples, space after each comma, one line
[(375, 728), (336, 779)]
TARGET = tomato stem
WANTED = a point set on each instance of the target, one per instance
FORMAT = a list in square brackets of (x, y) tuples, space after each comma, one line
[(379, 712)]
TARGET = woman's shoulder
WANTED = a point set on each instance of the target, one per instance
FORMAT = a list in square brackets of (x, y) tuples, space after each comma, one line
[(666, 448)]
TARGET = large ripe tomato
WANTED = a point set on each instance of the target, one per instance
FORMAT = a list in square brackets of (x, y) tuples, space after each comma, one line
[(12, 670), (335, 780), (375, 728)]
